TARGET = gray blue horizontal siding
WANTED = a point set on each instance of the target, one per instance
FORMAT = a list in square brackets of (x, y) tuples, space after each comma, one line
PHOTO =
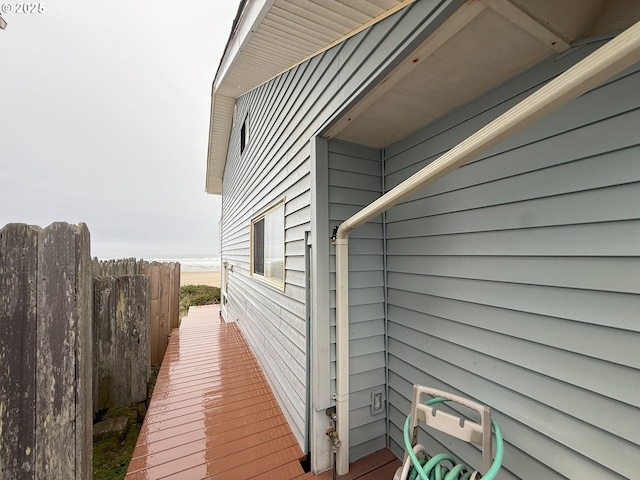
[(355, 180), (515, 280), (284, 115)]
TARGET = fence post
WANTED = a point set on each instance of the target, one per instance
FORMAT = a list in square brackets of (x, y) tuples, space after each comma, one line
[(18, 274)]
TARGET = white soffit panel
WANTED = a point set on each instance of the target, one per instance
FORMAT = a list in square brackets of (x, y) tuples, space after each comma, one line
[(289, 32), (481, 45), (270, 37)]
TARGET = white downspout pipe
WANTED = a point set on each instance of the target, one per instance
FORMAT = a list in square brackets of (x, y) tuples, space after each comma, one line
[(610, 59)]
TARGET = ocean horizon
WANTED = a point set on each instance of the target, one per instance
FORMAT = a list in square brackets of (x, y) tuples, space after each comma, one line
[(193, 264)]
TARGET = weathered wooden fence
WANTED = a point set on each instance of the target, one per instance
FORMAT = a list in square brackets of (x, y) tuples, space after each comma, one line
[(165, 305), (135, 308), (121, 366), (117, 268), (50, 378), (45, 352)]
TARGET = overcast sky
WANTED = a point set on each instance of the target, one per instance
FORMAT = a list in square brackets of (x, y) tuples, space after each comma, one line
[(104, 114)]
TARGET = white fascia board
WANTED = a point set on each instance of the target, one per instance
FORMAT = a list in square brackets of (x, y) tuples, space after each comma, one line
[(222, 106), (253, 14), (219, 132)]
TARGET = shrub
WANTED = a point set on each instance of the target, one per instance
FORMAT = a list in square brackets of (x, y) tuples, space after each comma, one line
[(197, 295)]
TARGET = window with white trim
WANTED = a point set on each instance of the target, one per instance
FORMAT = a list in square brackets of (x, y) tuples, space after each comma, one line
[(267, 244)]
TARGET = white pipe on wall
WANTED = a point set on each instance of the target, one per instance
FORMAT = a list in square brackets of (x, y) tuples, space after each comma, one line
[(610, 59)]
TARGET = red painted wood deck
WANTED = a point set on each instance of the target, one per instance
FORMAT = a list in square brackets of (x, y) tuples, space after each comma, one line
[(380, 465), (213, 415)]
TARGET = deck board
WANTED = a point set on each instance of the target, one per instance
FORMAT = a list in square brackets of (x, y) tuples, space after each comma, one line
[(380, 465), (213, 414)]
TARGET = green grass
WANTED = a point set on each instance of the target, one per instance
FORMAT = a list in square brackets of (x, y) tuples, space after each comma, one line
[(110, 456), (197, 295)]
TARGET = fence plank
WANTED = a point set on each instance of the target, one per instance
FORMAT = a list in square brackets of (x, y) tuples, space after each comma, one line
[(60, 425), (18, 272), (55, 403), (174, 295), (104, 355), (133, 321), (163, 331), (84, 351), (153, 272)]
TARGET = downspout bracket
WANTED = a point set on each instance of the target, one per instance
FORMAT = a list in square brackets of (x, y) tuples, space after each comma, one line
[(334, 235)]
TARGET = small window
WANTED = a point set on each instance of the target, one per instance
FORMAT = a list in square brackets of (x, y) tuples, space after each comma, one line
[(267, 244), (244, 135)]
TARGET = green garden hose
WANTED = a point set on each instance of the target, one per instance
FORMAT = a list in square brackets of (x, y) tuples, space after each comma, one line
[(435, 469)]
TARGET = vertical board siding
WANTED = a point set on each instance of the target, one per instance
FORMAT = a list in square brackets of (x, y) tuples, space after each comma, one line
[(515, 280), (355, 179), (283, 115)]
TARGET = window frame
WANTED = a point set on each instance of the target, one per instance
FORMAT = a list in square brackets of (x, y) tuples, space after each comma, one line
[(262, 217), (244, 134)]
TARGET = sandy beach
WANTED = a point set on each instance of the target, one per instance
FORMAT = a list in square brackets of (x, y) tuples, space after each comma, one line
[(200, 278)]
